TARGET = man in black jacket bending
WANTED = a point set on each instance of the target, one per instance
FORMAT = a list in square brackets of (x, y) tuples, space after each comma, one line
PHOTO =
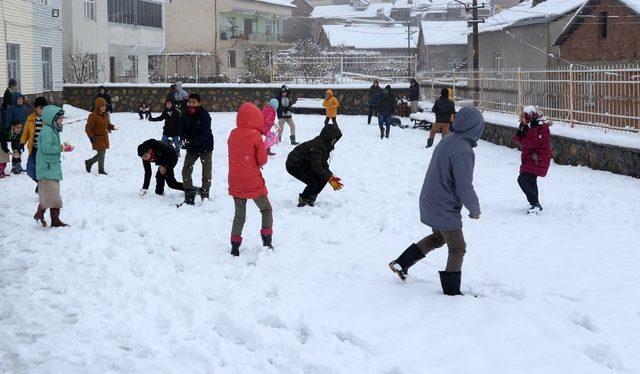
[(165, 157), (308, 162)]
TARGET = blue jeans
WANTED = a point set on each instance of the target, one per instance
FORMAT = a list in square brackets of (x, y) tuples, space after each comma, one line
[(31, 166), (176, 142)]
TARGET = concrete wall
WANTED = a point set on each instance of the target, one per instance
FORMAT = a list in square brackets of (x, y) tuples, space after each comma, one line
[(437, 56)]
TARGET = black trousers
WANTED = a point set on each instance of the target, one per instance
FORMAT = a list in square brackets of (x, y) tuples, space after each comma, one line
[(529, 184), (333, 119), (145, 113), (372, 109), (314, 184), (170, 178)]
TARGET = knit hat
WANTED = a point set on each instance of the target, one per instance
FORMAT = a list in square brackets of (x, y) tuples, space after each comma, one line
[(273, 103)]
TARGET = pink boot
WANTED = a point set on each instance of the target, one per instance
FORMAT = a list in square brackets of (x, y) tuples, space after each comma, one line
[(2, 167)]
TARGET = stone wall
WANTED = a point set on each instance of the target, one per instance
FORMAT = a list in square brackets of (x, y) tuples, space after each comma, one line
[(353, 100)]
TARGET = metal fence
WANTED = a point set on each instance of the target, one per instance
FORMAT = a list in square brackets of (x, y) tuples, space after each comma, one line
[(601, 96), (343, 68), (187, 67)]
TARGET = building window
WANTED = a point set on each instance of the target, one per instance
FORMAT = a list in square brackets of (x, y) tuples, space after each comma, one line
[(92, 66), (13, 62), (231, 57), (131, 66), (47, 69), (135, 12), (44, 2), (497, 61), (604, 24), (454, 62), (90, 10)]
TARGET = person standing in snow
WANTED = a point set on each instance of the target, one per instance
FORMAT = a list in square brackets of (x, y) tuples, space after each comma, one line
[(97, 129), (285, 114), (180, 97), (269, 115), (413, 95), (30, 135), (164, 156), (197, 139), (534, 139), (444, 110), (387, 104), (247, 155), (48, 166), (7, 98), (171, 128), (7, 135), (172, 93), (330, 105), (17, 111), (447, 187), (373, 95), (102, 92), (309, 163)]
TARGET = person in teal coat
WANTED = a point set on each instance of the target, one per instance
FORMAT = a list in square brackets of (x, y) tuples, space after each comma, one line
[(48, 166)]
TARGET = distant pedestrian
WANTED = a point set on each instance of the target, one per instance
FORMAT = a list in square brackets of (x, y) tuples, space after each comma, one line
[(144, 111), (7, 98), (447, 187), (387, 104), (285, 114), (414, 95), (97, 129), (534, 138), (171, 128), (102, 92), (180, 97), (373, 95), (330, 105), (444, 109)]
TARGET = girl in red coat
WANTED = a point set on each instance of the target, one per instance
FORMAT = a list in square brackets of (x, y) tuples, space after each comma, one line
[(247, 155), (535, 142)]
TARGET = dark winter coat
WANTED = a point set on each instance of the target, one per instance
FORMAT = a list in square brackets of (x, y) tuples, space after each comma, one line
[(164, 155), (387, 102), (6, 137), (448, 184), (444, 109), (15, 112), (98, 126), (171, 122), (7, 99), (535, 142), (414, 91), (284, 106), (314, 154), (106, 97), (373, 95), (247, 154), (196, 130)]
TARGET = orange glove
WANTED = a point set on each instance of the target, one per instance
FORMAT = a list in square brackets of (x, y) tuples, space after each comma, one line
[(335, 183)]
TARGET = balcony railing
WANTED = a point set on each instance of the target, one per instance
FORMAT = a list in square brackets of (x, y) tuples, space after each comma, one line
[(259, 37)]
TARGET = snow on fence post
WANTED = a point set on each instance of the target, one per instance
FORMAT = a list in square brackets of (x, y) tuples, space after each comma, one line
[(166, 68), (481, 83), (453, 90), (519, 90), (432, 87), (273, 67), (571, 119), (341, 68), (197, 67)]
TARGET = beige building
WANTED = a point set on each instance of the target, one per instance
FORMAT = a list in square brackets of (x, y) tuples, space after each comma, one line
[(207, 38)]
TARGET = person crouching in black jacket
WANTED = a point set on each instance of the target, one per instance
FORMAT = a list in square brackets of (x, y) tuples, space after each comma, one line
[(308, 162), (171, 129), (165, 157), (444, 110)]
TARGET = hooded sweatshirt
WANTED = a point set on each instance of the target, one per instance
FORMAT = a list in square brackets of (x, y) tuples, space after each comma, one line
[(448, 184), (15, 111), (247, 154), (331, 104), (314, 154), (48, 165), (181, 94)]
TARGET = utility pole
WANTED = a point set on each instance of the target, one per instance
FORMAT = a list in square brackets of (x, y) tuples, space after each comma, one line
[(409, 48), (475, 40)]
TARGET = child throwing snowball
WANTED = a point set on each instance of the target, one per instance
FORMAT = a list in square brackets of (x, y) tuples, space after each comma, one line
[(247, 155), (534, 139)]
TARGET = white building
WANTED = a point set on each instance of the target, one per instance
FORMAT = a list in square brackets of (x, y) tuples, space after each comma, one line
[(31, 46), (110, 40)]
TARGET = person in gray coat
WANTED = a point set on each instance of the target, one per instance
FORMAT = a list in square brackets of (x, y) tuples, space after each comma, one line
[(447, 187)]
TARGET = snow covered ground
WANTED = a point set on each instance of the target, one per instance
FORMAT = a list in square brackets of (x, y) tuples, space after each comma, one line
[(138, 286)]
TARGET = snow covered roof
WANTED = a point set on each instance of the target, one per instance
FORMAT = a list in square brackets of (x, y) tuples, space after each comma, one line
[(348, 11), (417, 4), (581, 15), (445, 32), (525, 13), (284, 3), (369, 36)]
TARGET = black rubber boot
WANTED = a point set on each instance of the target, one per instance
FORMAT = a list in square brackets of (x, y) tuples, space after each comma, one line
[(429, 143), (87, 166), (381, 132), (407, 259), (235, 249), (267, 240), (450, 281), (190, 196), (311, 201), (204, 194), (293, 140), (387, 133), (15, 166), (302, 202)]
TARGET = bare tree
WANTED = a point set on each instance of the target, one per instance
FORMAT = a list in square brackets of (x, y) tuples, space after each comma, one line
[(82, 67)]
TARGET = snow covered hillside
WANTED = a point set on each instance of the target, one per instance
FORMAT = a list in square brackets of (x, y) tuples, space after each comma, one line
[(138, 286)]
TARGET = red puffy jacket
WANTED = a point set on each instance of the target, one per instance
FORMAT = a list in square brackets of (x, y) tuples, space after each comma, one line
[(536, 150), (247, 154)]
